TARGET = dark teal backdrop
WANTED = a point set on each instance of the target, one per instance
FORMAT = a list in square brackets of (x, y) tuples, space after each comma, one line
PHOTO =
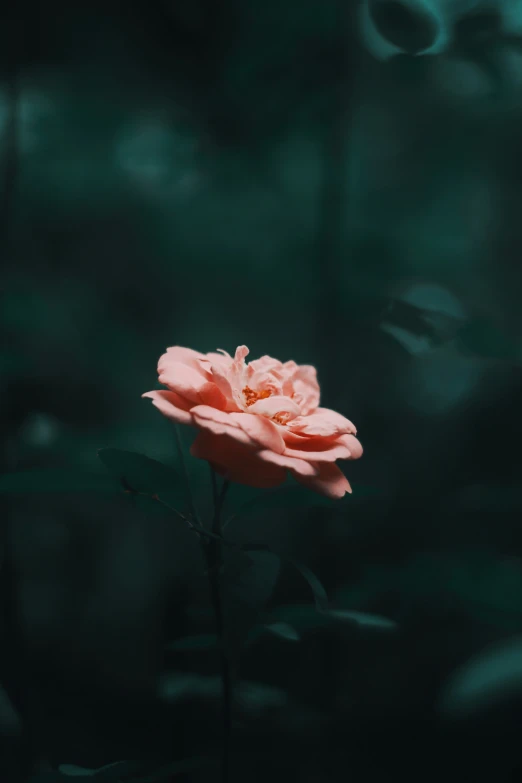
[(331, 182)]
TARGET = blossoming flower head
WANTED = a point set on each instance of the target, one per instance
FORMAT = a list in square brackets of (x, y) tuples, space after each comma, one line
[(258, 420)]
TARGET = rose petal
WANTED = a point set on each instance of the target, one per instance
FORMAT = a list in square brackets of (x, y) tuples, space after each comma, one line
[(171, 405), (330, 482), (291, 463), (304, 380), (219, 423), (266, 381), (192, 385), (265, 364), (219, 375), (353, 445), (237, 374), (236, 462), (271, 406), (261, 430), (177, 353), (322, 423), (316, 450)]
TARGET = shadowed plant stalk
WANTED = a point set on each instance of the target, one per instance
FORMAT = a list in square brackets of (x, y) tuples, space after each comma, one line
[(213, 553)]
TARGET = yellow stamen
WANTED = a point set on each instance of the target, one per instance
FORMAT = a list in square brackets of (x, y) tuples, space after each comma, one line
[(252, 396)]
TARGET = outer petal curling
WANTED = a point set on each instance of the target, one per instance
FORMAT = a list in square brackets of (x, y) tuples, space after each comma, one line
[(171, 405), (191, 384), (330, 482), (298, 466), (179, 354), (322, 423), (353, 444), (311, 450), (219, 423)]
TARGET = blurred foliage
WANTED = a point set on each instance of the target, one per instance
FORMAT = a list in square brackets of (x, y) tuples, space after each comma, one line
[(330, 182)]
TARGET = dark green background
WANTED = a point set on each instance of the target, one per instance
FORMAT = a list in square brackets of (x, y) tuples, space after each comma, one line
[(217, 173)]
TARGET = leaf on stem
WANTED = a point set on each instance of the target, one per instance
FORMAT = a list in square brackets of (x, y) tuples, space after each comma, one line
[(279, 629), (305, 617), (318, 591), (130, 471), (248, 581), (139, 473), (487, 681)]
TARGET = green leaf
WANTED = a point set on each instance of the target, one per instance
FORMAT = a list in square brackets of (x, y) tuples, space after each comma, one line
[(256, 698), (138, 472), (107, 772), (418, 329), (179, 687), (207, 641), (54, 481), (364, 619), (487, 680), (250, 697), (248, 581), (319, 593), (305, 617), (282, 630), (256, 577), (133, 771)]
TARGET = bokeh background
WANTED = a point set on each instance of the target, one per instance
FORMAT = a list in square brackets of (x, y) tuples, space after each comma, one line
[(334, 182)]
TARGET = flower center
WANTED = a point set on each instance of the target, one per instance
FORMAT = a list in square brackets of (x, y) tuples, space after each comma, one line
[(282, 417), (252, 396)]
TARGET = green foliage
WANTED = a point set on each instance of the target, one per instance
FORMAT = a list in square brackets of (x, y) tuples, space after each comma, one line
[(304, 617), (139, 473), (176, 199), (130, 471), (251, 698), (486, 588), (278, 629), (318, 591), (419, 329), (248, 581), (487, 681)]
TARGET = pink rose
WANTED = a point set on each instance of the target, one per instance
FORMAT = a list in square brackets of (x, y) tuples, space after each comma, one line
[(256, 420)]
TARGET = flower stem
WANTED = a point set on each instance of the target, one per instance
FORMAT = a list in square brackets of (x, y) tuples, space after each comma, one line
[(190, 499), (213, 550)]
